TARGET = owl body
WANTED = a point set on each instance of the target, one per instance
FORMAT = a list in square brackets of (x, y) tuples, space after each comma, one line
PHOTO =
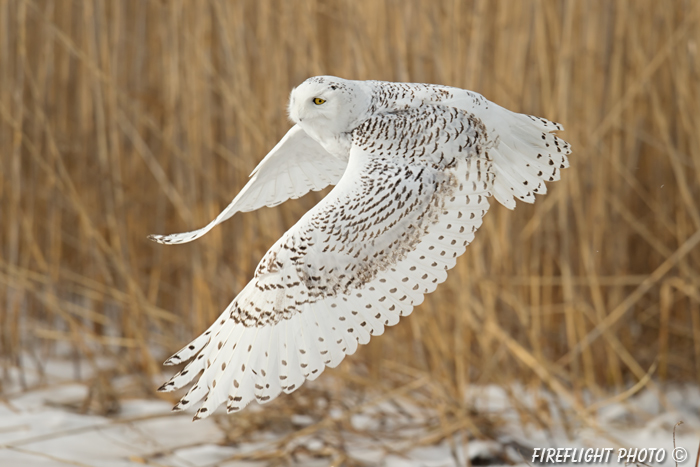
[(414, 167)]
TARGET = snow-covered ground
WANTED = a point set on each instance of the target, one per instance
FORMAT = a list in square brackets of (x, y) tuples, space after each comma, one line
[(47, 425)]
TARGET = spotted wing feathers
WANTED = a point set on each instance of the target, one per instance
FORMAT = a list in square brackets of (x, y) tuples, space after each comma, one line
[(237, 364)]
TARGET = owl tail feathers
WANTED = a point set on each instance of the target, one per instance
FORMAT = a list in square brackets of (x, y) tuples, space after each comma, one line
[(525, 155)]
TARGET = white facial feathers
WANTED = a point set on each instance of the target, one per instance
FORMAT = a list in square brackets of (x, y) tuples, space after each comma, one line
[(327, 106)]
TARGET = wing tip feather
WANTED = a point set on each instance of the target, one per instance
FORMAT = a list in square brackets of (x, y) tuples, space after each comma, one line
[(156, 238)]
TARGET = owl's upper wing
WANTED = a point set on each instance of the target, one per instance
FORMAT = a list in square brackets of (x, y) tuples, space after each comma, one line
[(414, 193), (525, 151), (295, 166)]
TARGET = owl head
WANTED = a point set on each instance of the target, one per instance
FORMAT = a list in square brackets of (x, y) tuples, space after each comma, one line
[(328, 105)]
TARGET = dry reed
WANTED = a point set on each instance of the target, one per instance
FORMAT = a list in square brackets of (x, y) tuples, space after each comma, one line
[(124, 118)]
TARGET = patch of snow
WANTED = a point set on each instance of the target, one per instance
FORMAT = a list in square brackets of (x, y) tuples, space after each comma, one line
[(32, 433), (362, 422), (302, 420)]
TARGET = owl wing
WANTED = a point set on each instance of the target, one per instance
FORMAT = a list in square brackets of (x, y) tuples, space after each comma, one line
[(524, 150), (416, 188), (295, 166)]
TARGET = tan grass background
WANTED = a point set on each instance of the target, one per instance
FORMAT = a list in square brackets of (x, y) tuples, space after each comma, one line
[(124, 118)]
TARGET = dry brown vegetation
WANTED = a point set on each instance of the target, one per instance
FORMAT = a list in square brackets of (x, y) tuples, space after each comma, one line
[(124, 118)]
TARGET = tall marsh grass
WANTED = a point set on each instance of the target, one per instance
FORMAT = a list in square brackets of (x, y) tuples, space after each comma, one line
[(123, 118)]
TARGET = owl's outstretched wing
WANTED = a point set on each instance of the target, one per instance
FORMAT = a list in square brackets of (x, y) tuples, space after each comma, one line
[(295, 166), (414, 193)]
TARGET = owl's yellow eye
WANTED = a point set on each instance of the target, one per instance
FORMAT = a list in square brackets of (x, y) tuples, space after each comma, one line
[(318, 100)]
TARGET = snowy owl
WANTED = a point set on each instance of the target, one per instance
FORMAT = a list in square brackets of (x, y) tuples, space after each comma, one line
[(414, 167)]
